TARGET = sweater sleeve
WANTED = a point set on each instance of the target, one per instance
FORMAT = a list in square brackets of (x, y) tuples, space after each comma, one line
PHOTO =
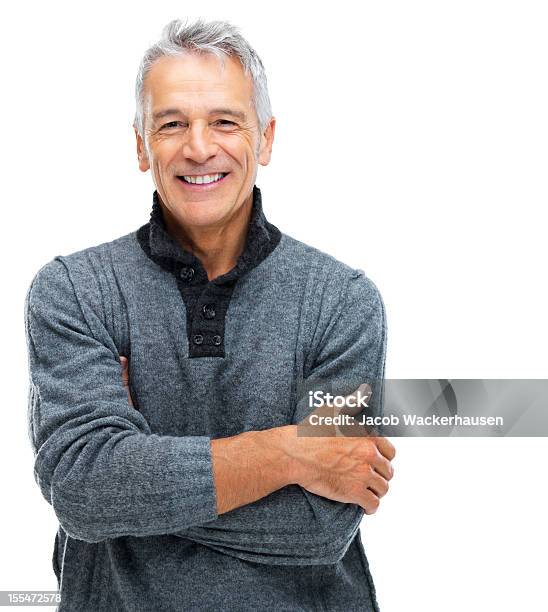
[(96, 461), (293, 526)]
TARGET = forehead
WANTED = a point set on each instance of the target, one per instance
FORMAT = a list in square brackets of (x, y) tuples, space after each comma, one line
[(194, 81)]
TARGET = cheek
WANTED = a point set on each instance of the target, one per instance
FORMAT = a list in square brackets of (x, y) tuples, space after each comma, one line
[(240, 147), (164, 153)]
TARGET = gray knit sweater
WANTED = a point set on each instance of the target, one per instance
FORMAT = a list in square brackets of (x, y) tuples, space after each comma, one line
[(132, 487)]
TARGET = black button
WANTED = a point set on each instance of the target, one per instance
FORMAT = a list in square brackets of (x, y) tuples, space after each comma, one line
[(208, 311), (186, 273), (217, 340), (198, 339)]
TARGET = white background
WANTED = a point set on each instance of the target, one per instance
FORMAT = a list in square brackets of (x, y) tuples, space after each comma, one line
[(411, 142)]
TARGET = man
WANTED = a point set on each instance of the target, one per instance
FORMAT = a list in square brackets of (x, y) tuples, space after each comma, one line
[(197, 492)]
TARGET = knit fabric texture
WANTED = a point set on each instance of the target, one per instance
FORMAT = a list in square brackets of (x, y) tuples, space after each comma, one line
[(132, 486)]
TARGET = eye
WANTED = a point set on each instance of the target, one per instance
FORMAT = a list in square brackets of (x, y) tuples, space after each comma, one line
[(171, 124), (225, 122)]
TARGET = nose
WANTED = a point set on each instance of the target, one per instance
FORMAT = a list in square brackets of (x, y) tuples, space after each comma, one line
[(198, 145)]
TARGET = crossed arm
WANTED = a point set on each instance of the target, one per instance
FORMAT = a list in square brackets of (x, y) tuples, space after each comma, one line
[(269, 496), (292, 500)]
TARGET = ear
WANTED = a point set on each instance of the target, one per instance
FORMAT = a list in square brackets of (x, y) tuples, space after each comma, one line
[(267, 139), (142, 156)]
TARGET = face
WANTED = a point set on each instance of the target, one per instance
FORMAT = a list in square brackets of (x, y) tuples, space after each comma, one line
[(199, 119)]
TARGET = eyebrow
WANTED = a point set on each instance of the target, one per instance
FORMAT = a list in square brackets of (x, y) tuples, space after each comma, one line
[(215, 111)]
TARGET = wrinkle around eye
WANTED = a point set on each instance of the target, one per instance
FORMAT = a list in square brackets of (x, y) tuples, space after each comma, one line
[(225, 124)]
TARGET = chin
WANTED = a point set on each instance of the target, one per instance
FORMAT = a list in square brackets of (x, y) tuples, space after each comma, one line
[(201, 213)]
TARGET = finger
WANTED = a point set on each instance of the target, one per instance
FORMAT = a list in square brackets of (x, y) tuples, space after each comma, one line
[(125, 372), (385, 447), (381, 465), (378, 485), (125, 377), (369, 502)]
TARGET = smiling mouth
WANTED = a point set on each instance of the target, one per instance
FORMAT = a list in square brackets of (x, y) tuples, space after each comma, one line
[(203, 179)]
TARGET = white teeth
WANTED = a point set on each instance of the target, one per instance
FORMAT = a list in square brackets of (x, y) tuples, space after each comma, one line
[(206, 178)]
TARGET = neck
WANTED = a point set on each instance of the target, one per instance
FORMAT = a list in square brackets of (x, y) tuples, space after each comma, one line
[(217, 247)]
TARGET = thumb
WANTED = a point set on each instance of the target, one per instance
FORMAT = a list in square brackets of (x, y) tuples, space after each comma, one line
[(361, 394)]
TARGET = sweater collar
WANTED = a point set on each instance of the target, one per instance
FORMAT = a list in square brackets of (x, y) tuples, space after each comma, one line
[(261, 239)]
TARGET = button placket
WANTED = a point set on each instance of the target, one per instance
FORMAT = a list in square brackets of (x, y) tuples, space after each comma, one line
[(207, 320)]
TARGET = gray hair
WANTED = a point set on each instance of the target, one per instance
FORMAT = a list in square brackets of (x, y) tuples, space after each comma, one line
[(219, 38)]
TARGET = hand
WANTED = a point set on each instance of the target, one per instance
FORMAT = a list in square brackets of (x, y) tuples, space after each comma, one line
[(349, 465), (350, 470), (125, 376)]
